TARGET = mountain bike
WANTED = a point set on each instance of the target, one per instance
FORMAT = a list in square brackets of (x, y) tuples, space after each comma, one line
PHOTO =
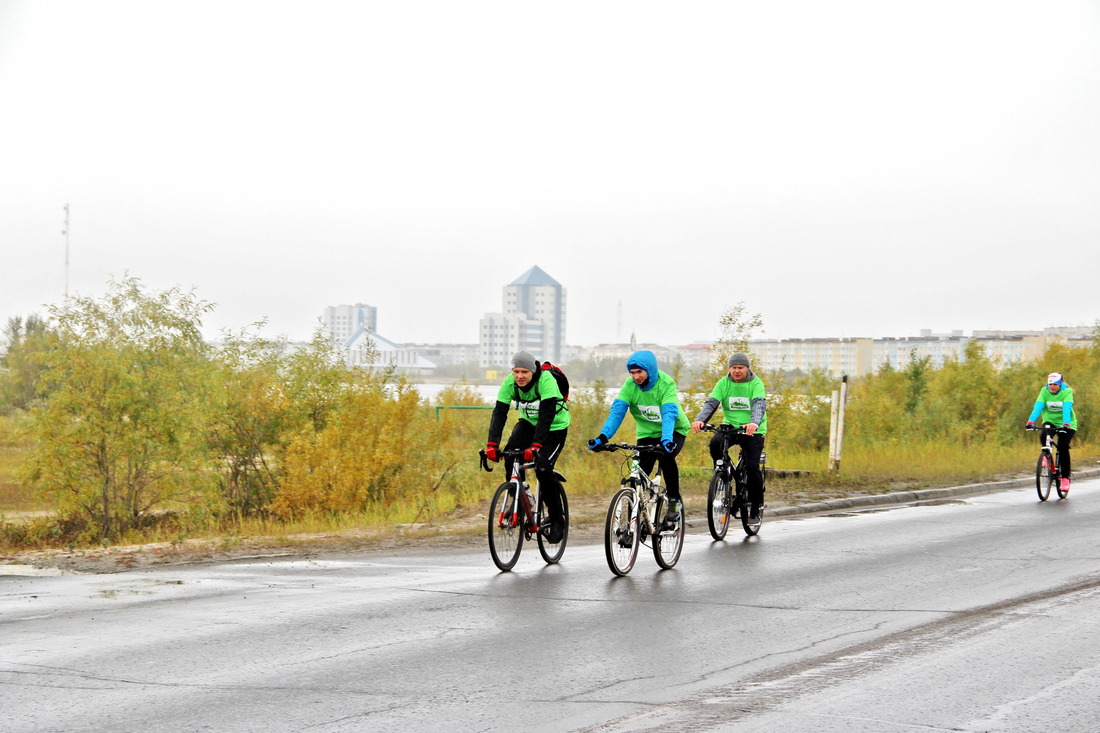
[(1046, 467), (516, 514), (729, 490), (636, 515)]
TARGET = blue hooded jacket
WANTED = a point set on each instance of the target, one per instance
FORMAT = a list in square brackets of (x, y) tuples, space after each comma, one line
[(647, 360), (644, 359)]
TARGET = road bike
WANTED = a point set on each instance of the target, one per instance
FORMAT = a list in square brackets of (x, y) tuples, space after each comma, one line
[(636, 515), (729, 490), (1046, 467), (516, 514)]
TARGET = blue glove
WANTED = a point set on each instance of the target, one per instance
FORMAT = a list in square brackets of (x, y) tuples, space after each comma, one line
[(668, 445), (596, 442)]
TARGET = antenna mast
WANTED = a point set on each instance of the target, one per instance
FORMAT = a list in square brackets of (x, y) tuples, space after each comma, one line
[(65, 231)]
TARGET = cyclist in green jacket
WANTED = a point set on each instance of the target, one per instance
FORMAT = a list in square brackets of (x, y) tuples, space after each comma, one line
[(1054, 406), (653, 401), (540, 431), (744, 403)]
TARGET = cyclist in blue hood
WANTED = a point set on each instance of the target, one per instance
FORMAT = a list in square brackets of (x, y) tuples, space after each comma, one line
[(653, 401)]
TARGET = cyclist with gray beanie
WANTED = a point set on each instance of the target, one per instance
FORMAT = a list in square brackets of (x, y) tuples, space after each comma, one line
[(744, 403), (540, 430)]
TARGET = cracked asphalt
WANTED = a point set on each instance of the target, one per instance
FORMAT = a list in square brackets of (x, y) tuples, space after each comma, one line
[(971, 610)]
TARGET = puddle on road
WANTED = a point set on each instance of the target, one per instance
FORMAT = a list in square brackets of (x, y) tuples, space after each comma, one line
[(32, 571), (880, 509)]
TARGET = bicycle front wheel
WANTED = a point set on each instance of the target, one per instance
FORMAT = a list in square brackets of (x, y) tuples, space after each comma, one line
[(621, 533), (505, 527), (1043, 477), (718, 507), (751, 526), (552, 551), (668, 543)]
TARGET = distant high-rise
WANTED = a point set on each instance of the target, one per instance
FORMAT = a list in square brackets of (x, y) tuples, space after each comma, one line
[(533, 319), (344, 321)]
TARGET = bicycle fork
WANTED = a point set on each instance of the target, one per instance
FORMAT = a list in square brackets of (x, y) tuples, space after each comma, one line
[(525, 512), (628, 526)]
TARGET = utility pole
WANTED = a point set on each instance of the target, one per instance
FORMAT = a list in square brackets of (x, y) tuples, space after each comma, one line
[(65, 231), (836, 425)]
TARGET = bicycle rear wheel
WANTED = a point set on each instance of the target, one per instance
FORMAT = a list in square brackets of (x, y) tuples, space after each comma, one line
[(1043, 477), (718, 507), (552, 551), (621, 533), (668, 543), (751, 527), (1054, 471), (505, 527)]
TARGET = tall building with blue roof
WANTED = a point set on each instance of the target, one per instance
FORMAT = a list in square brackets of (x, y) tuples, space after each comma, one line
[(532, 319)]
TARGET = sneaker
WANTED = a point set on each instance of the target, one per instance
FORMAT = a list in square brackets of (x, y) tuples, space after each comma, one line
[(672, 516), (1064, 484), (626, 539), (754, 513), (555, 532)]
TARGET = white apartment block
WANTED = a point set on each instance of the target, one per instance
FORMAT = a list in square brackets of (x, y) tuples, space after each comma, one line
[(344, 321), (533, 319), (859, 356)]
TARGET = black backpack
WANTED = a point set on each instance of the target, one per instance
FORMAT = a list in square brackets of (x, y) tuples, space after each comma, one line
[(559, 377)]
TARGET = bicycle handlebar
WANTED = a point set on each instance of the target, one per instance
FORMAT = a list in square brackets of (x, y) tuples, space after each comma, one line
[(723, 428), (613, 447), (514, 453)]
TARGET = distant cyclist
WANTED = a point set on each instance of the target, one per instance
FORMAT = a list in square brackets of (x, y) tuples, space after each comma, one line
[(744, 403), (540, 431), (1054, 407), (653, 400)]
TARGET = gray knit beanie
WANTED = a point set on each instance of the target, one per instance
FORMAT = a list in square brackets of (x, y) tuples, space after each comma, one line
[(739, 358), (525, 360)]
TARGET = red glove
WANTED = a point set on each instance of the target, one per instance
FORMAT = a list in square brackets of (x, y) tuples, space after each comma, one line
[(491, 452), (530, 453)]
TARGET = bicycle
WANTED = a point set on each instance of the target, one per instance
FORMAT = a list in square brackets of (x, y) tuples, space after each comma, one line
[(1046, 467), (721, 501), (515, 514), (636, 515)]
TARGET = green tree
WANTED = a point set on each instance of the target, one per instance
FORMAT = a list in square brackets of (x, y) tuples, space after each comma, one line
[(21, 363), (120, 431), (737, 327), (249, 416)]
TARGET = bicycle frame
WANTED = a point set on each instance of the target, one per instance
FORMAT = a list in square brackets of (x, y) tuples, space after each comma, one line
[(519, 510), (733, 472), (648, 492), (1048, 468), (731, 477), (1050, 445)]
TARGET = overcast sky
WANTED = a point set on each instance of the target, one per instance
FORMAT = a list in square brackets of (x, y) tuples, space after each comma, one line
[(843, 168)]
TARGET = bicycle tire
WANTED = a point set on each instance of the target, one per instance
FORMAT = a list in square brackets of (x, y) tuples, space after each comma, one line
[(620, 520), (1054, 471), (718, 507), (552, 552), (1042, 477), (669, 543), (505, 530), (751, 528)]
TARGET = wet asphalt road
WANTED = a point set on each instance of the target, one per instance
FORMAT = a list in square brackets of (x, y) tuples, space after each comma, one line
[(979, 614)]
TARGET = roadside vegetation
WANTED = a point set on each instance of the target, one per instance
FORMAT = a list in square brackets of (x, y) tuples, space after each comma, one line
[(119, 424)]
